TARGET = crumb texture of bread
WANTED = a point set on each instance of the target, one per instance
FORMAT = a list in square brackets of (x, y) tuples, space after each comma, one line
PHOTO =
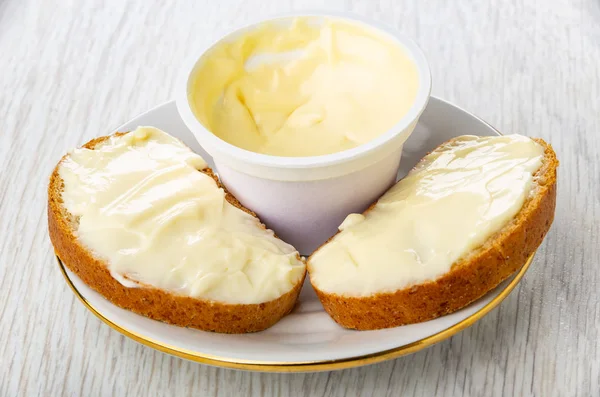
[(152, 302), (469, 278)]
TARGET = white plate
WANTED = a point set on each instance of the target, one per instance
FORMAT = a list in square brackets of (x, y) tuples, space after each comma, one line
[(307, 339)]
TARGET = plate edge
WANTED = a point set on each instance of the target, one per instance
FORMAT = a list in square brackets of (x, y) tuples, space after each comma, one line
[(304, 366)]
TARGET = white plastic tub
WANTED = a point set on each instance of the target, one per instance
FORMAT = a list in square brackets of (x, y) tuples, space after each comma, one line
[(304, 199)]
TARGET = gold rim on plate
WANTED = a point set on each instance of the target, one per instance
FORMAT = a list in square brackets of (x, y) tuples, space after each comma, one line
[(303, 366)]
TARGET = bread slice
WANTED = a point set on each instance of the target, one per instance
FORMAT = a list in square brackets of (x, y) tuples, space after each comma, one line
[(469, 278), (147, 300)]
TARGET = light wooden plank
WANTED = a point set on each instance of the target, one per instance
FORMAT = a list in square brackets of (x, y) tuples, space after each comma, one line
[(72, 70)]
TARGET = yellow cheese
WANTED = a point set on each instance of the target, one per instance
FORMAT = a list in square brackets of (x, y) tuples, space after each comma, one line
[(145, 209), (454, 200), (304, 89)]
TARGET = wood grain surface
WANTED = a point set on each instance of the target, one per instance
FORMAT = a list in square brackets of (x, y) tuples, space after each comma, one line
[(72, 70)]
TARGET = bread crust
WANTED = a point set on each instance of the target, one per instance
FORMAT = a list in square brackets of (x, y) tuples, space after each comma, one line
[(469, 278), (153, 302)]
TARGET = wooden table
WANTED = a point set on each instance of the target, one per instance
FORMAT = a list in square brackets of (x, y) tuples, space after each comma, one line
[(74, 70)]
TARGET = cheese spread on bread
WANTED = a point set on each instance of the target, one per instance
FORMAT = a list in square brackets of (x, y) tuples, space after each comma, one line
[(454, 200), (143, 205)]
